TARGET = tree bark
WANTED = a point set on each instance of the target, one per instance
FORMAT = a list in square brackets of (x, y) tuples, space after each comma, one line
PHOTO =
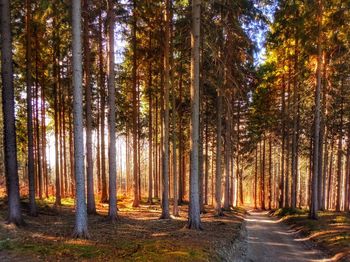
[(8, 104), (194, 221), (32, 204), (81, 227), (91, 208), (165, 118), (314, 191), (112, 209), (136, 201)]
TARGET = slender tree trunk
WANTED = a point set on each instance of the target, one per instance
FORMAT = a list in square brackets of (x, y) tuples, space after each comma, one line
[(81, 227), (256, 179), (206, 160), (32, 204), (330, 177), (295, 132), (71, 154), (165, 118), (340, 157), (150, 126), (8, 104), (136, 201), (194, 221), (262, 182), (283, 112), (112, 210), (314, 191), (91, 208), (270, 172), (347, 173), (226, 205), (174, 115), (218, 209), (56, 112), (43, 139), (104, 196)]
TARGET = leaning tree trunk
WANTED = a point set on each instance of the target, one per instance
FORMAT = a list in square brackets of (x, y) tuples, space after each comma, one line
[(81, 227), (194, 221), (112, 210), (32, 204), (8, 105)]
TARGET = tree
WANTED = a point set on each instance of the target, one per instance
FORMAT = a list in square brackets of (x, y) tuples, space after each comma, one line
[(8, 104), (81, 226), (91, 208), (165, 117), (314, 194), (194, 221), (136, 201), (31, 184), (112, 210)]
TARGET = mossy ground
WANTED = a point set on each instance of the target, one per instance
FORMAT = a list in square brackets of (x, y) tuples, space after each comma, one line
[(331, 231), (139, 235)]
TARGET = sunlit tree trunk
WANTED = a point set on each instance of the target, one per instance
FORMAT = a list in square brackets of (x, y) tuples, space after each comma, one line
[(81, 227)]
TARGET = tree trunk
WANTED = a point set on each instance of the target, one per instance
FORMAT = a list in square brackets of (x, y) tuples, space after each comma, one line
[(8, 105), (262, 182), (32, 204), (136, 201), (81, 227), (194, 221), (103, 113), (165, 118), (295, 133), (91, 208), (56, 112), (150, 126), (270, 172), (218, 210), (314, 191), (339, 157), (112, 209)]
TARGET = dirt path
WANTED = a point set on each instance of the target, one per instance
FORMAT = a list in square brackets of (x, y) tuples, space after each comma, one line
[(269, 240)]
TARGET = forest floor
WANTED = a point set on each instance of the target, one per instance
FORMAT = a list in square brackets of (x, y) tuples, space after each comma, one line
[(139, 235), (331, 232)]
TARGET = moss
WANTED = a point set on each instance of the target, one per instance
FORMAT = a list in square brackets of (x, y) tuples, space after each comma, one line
[(289, 211), (6, 244)]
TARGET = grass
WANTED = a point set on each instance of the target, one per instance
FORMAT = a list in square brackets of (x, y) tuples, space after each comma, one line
[(331, 231), (139, 235)]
